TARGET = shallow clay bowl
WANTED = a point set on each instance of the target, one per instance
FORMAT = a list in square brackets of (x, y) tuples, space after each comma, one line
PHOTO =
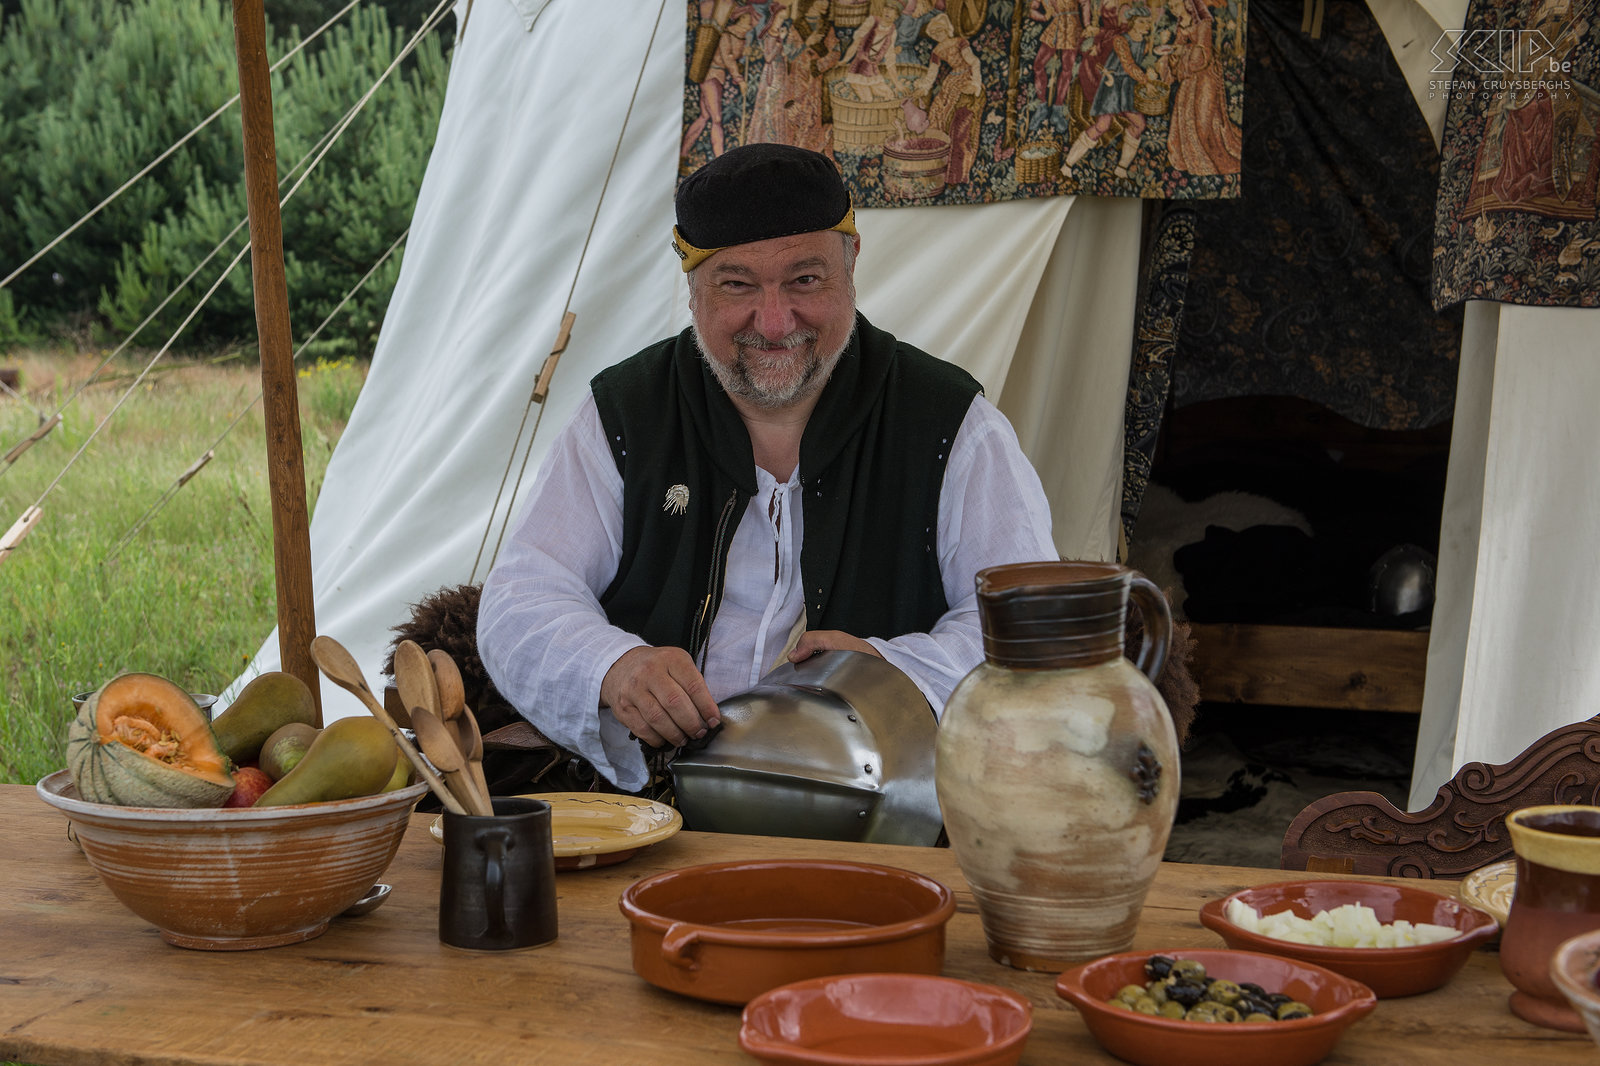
[(1389, 972), (1574, 968), (225, 880), (727, 932), (1336, 1003), (887, 1019)]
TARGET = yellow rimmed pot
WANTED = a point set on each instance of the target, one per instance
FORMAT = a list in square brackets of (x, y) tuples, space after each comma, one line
[(1557, 897)]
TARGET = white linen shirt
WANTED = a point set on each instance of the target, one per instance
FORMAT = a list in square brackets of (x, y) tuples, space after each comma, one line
[(545, 640)]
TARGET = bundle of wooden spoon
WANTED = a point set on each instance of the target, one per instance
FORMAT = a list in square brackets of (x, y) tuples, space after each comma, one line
[(430, 687)]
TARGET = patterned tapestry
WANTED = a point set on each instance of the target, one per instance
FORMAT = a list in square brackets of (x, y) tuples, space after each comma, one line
[(975, 101), (1314, 284), (1165, 276), (1517, 218)]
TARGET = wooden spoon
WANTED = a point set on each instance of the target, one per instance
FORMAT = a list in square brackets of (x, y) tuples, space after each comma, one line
[(439, 744), (413, 677), (452, 690), (471, 740), (340, 666)]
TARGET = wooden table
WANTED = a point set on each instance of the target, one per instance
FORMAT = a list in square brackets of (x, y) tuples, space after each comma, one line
[(82, 980)]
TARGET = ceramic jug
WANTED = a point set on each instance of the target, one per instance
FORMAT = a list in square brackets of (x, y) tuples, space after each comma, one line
[(1557, 897), (1057, 762)]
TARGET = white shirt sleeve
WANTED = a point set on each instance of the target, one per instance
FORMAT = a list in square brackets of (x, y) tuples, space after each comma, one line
[(542, 634), (992, 511)]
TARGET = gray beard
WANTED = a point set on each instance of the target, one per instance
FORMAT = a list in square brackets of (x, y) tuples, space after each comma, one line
[(736, 380)]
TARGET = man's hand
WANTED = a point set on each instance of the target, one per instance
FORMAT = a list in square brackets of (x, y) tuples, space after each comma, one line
[(817, 640), (660, 696)]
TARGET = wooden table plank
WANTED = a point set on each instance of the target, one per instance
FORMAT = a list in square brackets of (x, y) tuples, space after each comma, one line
[(84, 981)]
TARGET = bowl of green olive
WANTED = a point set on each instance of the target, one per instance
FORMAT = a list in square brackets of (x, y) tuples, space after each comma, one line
[(1214, 1007)]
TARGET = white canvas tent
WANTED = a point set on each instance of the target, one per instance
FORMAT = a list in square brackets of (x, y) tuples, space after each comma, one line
[(1035, 298)]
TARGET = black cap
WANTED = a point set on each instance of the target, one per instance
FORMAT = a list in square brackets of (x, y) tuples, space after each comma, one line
[(756, 192)]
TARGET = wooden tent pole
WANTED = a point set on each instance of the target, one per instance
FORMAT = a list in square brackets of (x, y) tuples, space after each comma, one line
[(291, 528)]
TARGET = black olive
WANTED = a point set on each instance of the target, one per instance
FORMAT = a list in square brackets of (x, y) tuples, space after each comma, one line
[(1157, 967), (1187, 993), (1253, 988), (1255, 1004)]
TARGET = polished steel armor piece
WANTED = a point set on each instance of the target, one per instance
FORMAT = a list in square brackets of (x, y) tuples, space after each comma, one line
[(839, 747)]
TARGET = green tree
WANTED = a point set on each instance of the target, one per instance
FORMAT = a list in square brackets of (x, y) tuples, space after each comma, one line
[(93, 90)]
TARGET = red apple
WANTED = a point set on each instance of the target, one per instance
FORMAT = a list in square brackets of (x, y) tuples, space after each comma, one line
[(249, 782)]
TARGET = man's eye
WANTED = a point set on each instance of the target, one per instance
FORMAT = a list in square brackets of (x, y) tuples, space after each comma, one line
[(807, 279)]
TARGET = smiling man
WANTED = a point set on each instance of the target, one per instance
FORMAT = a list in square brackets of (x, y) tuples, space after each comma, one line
[(780, 479)]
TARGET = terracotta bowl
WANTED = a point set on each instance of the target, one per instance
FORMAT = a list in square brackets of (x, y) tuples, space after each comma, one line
[(1389, 972), (225, 880), (727, 932), (1575, 969), (1336, 1003), (887, 1019)]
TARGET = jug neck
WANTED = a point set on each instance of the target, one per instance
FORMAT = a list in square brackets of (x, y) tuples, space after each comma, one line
[(1052, 615)]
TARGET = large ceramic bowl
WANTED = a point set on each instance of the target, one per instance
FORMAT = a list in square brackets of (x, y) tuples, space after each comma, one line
[(727, 932), (225, 880), (887, 1019), (1336, 1003), (1575, 969), (1389, 972)]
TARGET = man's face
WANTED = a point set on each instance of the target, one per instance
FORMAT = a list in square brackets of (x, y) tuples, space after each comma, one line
[(772, 317)]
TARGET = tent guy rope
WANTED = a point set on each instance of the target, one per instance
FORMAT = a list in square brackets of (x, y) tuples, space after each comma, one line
[(195, 467)]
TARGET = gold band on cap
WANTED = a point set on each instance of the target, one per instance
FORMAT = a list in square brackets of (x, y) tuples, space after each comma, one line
[(692, 257)]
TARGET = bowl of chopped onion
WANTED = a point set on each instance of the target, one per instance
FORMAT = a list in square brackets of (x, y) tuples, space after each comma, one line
[(1397, 939)]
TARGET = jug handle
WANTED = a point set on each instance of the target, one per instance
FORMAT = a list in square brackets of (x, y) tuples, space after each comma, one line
[(1157, 616)]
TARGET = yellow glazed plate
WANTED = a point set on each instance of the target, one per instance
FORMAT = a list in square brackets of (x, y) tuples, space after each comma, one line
[(597, 829), (1490, 888)]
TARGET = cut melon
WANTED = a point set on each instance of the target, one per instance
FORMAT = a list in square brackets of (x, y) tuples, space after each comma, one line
[(142, 741)]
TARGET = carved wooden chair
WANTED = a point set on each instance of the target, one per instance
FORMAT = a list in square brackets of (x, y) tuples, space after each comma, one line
[(1462, 830)]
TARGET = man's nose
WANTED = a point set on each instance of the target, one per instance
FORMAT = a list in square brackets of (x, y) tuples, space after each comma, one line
[(775, 315)]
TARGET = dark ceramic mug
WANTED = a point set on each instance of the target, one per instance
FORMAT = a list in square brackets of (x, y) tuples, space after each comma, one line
[(498, 890)]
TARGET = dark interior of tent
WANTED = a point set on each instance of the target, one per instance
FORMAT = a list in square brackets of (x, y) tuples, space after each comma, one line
[(1288, 432)]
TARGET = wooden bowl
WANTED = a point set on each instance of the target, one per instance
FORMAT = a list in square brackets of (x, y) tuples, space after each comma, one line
[(1389, 972), (727, 932), (226, 880), (1336, 1003), (1575, 969), (887, 1019)]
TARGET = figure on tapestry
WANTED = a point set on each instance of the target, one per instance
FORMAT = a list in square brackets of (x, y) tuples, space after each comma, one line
[(1538, 152), (726, 26), (955, 107), (1518, 215), (1121, 72), (798, 49), (1201, 138)]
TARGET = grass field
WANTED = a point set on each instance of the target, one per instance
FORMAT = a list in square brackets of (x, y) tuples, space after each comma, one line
[(102, 585)]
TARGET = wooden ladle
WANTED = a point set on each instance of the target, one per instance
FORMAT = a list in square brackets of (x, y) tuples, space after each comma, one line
[(340, 667), (439, 744)]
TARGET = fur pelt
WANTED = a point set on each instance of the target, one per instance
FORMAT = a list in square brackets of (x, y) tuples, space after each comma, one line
[(448, 620)]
